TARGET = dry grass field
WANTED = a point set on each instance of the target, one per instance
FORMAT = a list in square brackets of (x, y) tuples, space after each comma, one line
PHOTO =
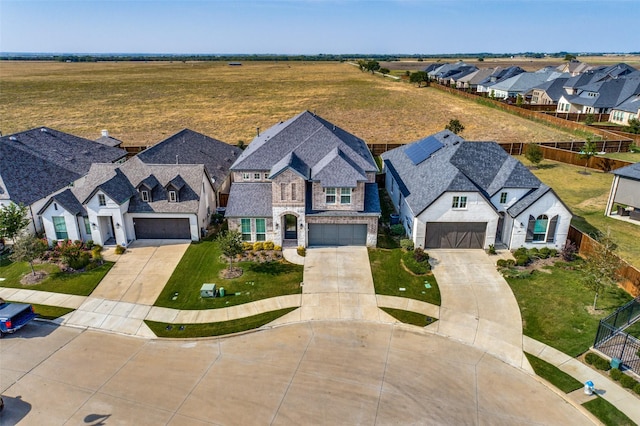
[(142, 103)]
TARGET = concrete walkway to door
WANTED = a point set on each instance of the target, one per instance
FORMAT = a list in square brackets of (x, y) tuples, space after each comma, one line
[(478, 306)]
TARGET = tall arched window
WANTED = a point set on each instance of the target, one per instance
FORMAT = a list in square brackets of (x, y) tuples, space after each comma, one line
[(540, 228)]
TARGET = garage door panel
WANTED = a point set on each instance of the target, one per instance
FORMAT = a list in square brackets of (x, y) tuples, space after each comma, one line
[(162, 228), (455, 235), (331, 234)]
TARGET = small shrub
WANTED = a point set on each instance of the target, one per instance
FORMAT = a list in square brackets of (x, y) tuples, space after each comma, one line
[(522, 251), (590, 358), (533, 252), (627, 382), (636, 388), (301, 251), (277, 248), (78, 243), (258, 246), (544, 253), (569, 252), (246, 246), (492, 249), (501, 263), (406, 244), (268, 245), (120, 249), (397, 229), (89, 244), (96, 256), (54, 243), (553, 253), (418, 268), (602, 364), (80, 262), (522, 260), (420, 255), (615, 374), (91, 265)]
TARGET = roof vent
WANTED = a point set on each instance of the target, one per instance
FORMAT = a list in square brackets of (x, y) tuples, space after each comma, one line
[(446, 136), (43, 130), (13, 138), (456, 142), (105, 133)]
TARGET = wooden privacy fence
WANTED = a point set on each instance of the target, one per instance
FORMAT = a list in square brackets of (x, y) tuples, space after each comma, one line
[(577, 116), (587, 245)]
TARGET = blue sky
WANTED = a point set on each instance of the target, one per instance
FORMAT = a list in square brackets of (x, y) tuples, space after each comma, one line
[(319, 26)]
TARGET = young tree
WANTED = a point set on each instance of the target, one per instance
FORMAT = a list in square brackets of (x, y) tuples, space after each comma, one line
[(454, 126), (419, 77), (634, 126), (231, 245), (588, 150), (13, 219), (519, 100), (27, 249), (601, 268), (534, 154)]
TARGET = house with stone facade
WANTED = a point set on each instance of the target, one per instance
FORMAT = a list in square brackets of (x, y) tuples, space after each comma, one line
[(305, 182)]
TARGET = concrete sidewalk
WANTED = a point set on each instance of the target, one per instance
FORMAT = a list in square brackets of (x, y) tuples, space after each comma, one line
[(605, 387)]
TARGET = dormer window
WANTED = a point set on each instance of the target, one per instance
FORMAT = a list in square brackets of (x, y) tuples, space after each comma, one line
[(173, 196), (144, 194)]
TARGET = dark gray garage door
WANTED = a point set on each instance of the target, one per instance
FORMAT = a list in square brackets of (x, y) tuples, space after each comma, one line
[(147, 228), (455, 235), (327, 234)]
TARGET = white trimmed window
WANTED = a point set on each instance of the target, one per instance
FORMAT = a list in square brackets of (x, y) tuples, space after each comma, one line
[(145, 195), (540, 228), (330, 195), (173, 196), (261, 229), (459, 202), (87, 225), (345, 195), (102, 200), (60, 226), (245, 225), (246, 176), (503, 197)]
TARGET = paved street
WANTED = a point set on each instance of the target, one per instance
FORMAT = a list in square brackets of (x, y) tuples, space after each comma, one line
[(317, 372)]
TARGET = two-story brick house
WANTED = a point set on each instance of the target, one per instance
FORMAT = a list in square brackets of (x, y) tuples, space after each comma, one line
[(305, 182)]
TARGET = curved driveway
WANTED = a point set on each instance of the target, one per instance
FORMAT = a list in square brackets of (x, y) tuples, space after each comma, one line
[(315, 372)]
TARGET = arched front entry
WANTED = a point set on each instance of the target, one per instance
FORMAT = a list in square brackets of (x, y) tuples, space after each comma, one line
[(290, 227)]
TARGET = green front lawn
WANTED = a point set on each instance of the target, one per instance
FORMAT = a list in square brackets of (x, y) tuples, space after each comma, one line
[(607, 413), (201, 264), (162, 329), (553, 374), (50, 312), (389, 276), (554, 307), (78, 283), (409, 317)]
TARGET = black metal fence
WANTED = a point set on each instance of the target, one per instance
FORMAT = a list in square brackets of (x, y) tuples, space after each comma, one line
[(614, 342)]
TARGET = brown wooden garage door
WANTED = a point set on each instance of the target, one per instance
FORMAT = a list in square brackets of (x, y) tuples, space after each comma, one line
[(170, 229), (455, 235)]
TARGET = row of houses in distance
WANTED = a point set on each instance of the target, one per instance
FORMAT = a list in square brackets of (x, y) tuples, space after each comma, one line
[(574, 87), (303, 182)]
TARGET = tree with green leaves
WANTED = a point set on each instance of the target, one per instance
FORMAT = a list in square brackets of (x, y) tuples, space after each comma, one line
[(454, 126), (419, 77), (588, 150), (28, 248), (534, 153), (372, 66), (519, 100), (230, 243), (13, 220), (601, 267), (569, 57), (384, 71), (634, 126)]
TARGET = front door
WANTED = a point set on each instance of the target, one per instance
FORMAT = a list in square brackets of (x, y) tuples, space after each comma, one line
[(500, 226), (290, 227)]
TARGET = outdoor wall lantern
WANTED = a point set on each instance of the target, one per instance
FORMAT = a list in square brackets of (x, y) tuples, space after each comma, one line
[(93, 225), (277, 225), (117, 225), (302, 226)]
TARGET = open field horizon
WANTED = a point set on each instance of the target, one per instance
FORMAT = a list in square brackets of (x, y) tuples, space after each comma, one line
[(143, 103)]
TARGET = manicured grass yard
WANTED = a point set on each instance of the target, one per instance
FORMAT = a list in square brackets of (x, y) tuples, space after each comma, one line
[(162, 329), (553, 374), (554, 307), (78, 283), (409, 317), (586, 196), (50, 312), (607, 413), (201, 264), (389, 276)]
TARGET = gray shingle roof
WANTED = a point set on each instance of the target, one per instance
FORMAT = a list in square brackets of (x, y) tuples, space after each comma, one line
[(337, 170), (632, 171), (630, 105), (68, 201), (522, 204), (249, 200), (526, 81), (481, 167), (40, 161), (610, 92), (109, 141), (371, 204), (553, 88), (189, 147), (310, 137), (293, 162)]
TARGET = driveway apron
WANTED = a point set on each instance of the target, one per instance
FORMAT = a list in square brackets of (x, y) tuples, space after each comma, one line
[(125, 295), (478, 306)]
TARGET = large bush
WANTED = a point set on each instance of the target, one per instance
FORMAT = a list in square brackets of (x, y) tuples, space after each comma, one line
[(406, 244), (397, 229)]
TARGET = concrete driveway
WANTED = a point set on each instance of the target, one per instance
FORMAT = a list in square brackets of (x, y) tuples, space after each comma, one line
[(125, 295), (316, 372), (337, 285), (478, 306)]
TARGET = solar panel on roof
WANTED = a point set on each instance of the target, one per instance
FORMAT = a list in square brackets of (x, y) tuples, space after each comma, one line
[(420, 151)]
